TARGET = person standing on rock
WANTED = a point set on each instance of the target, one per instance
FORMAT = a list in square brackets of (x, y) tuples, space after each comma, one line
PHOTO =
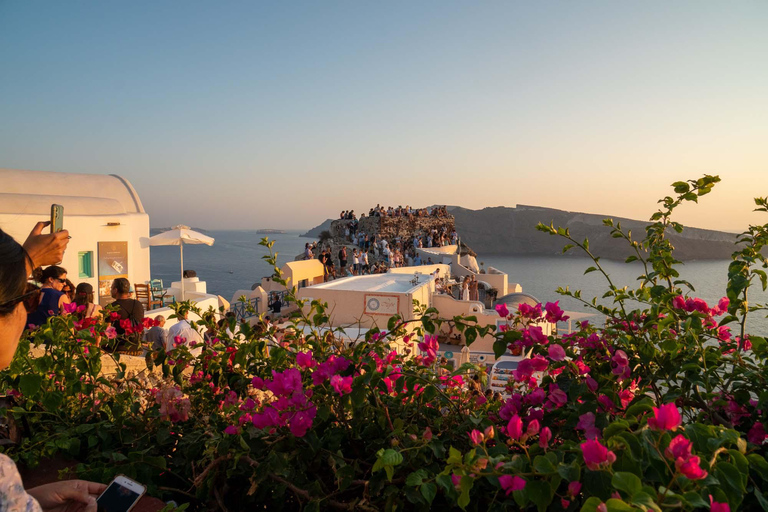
[(343, 261)]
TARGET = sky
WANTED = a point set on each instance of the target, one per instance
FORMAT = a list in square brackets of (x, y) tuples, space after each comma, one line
[(247, 114)]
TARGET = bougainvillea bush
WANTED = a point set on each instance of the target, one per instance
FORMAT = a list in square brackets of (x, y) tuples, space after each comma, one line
[(662, 406)]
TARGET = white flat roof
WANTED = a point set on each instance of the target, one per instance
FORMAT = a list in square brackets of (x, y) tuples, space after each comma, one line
[(389, 283)]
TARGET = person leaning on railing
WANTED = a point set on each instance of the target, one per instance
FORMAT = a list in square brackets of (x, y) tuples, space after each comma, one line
[(16, 301)]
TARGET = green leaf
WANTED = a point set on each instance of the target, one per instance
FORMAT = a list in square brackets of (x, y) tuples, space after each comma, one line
[(726, 472), (29, 384), (454, 456), (571, 472), (416, 478), (590, 269), (627, 482), (543, 465), (615, 505), (391, 457), (591, 504), (761, 499), (646, 500), (695, 499), (429, 491), (465, 486), (540, 493)]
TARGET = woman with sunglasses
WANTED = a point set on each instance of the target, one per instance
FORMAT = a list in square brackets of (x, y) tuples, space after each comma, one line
[(52, 296), (16, 263)]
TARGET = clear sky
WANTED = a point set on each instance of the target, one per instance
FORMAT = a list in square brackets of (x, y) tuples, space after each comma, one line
[(280, 114)]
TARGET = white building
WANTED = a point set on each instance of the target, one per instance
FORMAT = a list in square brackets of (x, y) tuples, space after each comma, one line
[(103, 214)]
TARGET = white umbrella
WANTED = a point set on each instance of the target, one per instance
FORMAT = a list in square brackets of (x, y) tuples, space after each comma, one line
[(180, 235)]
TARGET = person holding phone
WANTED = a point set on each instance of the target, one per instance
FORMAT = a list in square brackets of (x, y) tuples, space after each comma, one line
[(16, 301), (52, 296)]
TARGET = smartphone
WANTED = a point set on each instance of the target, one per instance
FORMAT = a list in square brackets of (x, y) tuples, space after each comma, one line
[(121, 495), (57, 218)]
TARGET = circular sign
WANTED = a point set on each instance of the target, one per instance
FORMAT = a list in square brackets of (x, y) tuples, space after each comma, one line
[(373, 304), (449, 355)]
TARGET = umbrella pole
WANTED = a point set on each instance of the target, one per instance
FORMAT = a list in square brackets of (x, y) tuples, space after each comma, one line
[(181, 253)]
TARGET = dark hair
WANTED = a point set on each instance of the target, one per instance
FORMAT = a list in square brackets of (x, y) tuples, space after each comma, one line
[(84, 294), (122, 285), (54, 272), (13, 271)]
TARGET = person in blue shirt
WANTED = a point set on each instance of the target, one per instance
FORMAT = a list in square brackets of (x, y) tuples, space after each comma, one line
[(52, 298)]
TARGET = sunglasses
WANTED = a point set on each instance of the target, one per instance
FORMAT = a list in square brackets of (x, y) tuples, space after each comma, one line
[(31, 299), (62, 281)]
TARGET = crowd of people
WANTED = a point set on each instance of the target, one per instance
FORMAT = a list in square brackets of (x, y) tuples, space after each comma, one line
[(400, 211)]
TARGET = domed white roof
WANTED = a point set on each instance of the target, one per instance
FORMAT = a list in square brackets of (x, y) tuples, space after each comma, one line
[(33, 192)]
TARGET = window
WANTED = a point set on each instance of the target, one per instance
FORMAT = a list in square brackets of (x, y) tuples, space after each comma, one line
[(85, 263)]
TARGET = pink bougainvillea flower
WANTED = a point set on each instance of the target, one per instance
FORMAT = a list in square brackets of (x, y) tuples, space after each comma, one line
[(591, 384), (231, 430), (678, 302), (557, 397), (342, 385), (456, 480), (110, 332), (536, 397), (257, 382), (502, 310), (545, 436), (301, 422), (756, 434), (587, 424), (511, 483), (527, 311), (690, 468), (556, 353), (724, 333), (574, 488), (285, 383), (429, 348), (679, 448), (305, 360), (602, 507), (427, 435), (535, 334), (666, 417), (70, 307), (515, 428), (716, 506), (488, 433), (596, 456), (476, 437), (533, 428), (554, 313)]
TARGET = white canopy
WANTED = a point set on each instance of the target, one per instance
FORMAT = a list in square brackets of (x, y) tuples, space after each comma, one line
[(181, 235)]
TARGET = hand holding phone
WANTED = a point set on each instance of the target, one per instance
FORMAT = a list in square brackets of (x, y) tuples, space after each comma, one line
[(121, 495)]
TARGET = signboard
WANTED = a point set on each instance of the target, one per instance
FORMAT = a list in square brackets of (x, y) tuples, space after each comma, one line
[(113, 263), (381, 304)]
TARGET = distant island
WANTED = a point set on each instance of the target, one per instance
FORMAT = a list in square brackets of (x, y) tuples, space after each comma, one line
[(157, 231), (270, 231), (512, 231)]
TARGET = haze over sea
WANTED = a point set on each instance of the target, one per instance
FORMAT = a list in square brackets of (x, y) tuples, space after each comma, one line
[(235, 262)]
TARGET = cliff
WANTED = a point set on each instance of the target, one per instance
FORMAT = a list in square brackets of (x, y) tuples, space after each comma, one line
[(512, 231)]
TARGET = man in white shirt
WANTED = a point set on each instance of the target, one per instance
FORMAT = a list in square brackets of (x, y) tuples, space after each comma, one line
[(183, 329)]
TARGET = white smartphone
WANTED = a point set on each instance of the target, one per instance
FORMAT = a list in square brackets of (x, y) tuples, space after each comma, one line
[(121, 495)]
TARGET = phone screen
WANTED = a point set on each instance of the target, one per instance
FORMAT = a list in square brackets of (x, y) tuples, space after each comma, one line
[(116, 499)]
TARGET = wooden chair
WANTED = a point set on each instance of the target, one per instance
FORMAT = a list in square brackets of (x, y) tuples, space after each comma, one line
[(143, 295)]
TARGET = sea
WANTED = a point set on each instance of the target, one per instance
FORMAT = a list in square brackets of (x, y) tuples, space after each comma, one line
[(236, 262)]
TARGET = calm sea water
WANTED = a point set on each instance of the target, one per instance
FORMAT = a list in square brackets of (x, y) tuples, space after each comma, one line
[(235, 262)]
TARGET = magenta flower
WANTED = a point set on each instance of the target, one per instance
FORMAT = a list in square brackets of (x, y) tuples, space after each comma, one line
[(533, 428), (231, 430), (666, 417), (554, 313), (515, 427), (511, 483), (526, 311), (545, 436), (502, 310), (716, 506), (690, 468), (679, 448), (257, 382), (476, 437), (70, 307), (301, 422), (574, 488), (342, 385), (591, 384), (110, 332), (678, 302), (429, 347), (557, 396), (305, 360), (556, 352), (536, 397), (587, 424), (285, 383), (756, 434), (596, 456)]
